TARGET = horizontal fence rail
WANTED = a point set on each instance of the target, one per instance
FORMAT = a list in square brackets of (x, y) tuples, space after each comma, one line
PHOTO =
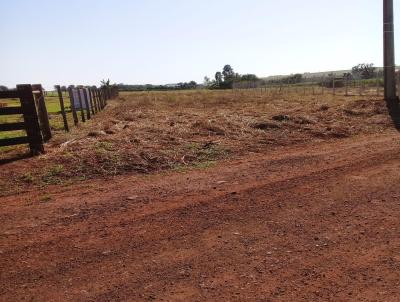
[(12, 126), (10, 110), (14, 141)]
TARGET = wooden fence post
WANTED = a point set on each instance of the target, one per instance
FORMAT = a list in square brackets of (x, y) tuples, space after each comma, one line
[(86, 99), (93, 91), (91, 101), (31, 119), (72, 102), (377, 86), (78, 92), (64, 115), (103, 98), (100, 98), (42, 112), (97, 98)]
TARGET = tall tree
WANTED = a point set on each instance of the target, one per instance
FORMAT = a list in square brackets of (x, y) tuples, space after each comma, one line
[(218, 77), (105, 83), (228, 73)]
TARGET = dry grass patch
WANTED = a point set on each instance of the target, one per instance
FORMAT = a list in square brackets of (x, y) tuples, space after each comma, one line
[(148, 132)]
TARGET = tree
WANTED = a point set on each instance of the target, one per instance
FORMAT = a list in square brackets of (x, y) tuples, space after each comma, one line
[(364, 71), (249, 77), (227, 78), (192, 85), (3, 88), (105, 83), (218, 78), (297, 78), (228, 73)]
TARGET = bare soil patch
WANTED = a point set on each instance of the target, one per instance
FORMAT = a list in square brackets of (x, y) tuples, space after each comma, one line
[(313, 222)]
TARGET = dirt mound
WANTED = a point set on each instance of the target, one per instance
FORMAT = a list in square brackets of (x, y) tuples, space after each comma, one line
[(365, 108), (281, 117), (265, 125)]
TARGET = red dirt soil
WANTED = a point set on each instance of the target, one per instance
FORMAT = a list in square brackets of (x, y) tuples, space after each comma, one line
[(317, 222)]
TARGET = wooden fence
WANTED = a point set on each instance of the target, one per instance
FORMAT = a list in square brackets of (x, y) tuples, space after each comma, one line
[(85, 102), (335, 86), (88, 101), (30, 124)]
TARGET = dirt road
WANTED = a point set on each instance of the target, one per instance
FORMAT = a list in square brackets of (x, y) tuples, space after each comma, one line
[(306, 223)]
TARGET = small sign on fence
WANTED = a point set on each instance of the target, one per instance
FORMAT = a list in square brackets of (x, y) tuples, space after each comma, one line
[(80, 98)]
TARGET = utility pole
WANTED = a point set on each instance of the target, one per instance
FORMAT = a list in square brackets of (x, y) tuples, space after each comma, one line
[(389, 59), (392, 102)]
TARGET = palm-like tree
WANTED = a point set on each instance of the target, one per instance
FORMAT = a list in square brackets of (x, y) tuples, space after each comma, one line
[(105, 83)]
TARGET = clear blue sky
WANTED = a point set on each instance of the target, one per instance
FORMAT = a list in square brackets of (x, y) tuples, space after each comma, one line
[(167, 41)]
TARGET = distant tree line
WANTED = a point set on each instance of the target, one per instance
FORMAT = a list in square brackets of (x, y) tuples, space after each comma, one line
[(363, 71), (291, 79), (150, 87)]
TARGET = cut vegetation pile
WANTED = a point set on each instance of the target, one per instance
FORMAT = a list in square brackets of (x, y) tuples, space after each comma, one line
[(147, 132)]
